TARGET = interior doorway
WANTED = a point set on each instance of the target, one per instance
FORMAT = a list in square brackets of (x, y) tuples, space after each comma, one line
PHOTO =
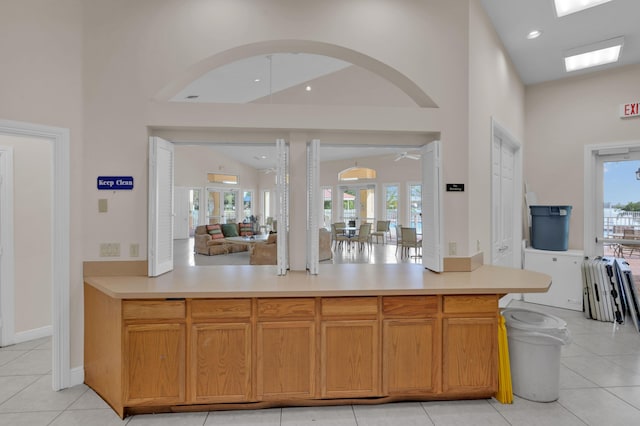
[(62, 375)]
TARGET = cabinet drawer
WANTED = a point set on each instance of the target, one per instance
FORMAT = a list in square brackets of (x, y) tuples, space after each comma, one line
[(220, 308), (409, 306), (350, 306), (153, 309), (286, 308), (470, 304)]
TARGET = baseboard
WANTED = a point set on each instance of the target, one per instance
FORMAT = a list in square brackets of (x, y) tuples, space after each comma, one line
[(463, 264), (77, 376), (36, 333)]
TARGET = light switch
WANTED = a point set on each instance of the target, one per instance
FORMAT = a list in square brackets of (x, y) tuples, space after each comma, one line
[(102, 205)]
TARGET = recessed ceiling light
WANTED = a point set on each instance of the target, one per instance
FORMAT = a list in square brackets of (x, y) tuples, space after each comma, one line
[(308, 88), (567, 7), (256, 80), (192, 97), (534, 34), (601, 53)]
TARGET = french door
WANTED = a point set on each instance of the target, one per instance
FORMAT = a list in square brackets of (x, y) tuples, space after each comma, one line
[(358, 203), (222, 205)]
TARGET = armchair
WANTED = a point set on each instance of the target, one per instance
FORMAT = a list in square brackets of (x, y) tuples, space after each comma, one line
[(265, 253)]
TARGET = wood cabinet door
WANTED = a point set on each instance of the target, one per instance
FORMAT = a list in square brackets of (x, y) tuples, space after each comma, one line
[(220, 367), (154, 363), (286, 365), (350, 359), (470, 354), (411, 356)]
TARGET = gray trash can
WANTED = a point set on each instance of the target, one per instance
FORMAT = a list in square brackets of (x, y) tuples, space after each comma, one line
[(535, 342)]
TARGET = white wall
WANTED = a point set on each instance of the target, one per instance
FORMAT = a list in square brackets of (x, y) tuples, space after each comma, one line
[(495, 90), (150, 47), (563, 117), (32, 161), (41, 81)]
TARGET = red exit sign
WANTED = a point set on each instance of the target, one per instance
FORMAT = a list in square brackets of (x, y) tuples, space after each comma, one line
[(630, 110)]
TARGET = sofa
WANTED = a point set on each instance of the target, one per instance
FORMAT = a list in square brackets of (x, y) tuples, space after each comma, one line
[(211, 239), (267, 253)]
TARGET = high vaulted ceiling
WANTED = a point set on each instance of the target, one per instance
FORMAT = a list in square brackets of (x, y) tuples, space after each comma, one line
[(541, 59)]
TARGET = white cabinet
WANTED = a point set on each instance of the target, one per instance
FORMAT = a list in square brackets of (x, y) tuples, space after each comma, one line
[(566, 277)]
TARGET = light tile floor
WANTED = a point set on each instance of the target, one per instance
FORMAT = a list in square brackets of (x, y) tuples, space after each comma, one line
[(599, 385)]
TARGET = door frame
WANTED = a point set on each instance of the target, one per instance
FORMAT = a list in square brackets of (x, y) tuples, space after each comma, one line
[(7, 261), (591, 185), (59, 138), (497, 130)]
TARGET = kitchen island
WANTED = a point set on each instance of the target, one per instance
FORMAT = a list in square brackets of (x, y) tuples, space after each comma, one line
[(234, 337)]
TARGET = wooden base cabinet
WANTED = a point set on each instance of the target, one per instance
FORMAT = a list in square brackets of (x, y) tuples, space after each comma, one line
[(470, 345), (410, 356), (154, 364), (166, 355), (220, 363), (350, 365)]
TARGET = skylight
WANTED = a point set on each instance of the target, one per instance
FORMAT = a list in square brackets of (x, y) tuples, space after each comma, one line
[(592, 59), (592, 56), (567, 7)]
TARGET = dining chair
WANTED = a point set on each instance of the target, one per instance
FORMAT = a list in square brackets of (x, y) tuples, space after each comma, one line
[(337, 235), (398, 238), (382, 227), (410, 240), (364, 236)]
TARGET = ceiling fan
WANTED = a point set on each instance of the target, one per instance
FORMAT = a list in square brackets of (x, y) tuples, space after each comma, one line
[(405, 154), (268, 171)]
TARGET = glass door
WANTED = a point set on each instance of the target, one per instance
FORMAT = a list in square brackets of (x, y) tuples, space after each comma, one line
[(358, 204), (222, 206), (415, 207), (194, 210)]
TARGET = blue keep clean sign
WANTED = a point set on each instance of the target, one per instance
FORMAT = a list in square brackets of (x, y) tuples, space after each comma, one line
[(115, 182)]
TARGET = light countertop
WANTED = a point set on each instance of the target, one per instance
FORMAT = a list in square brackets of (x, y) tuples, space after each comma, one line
[(233, 281)]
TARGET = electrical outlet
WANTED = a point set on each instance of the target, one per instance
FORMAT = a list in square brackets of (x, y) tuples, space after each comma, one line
[(110, 250), (134, 250), (453, 248)]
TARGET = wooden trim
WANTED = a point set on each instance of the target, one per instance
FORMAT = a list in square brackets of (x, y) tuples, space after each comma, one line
[(117, 268), (463, 264)]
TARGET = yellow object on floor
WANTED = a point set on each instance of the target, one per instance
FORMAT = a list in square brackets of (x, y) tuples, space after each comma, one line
[(505, 391)]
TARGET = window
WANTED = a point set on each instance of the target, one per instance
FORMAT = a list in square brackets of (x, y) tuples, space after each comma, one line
[(247, 204), (327, 206), (391, 199), (415, 206), (357, 173), (220, 178)]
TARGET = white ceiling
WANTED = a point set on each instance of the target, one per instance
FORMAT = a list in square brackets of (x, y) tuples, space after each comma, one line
[(536, 61), (257, 77), (541, 59)]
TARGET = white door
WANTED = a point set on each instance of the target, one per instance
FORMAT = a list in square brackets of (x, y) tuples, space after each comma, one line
[(502, 190), (282, 205), (181, 223), (431, 207), (161, 214), (314, 199), (506, 199)]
